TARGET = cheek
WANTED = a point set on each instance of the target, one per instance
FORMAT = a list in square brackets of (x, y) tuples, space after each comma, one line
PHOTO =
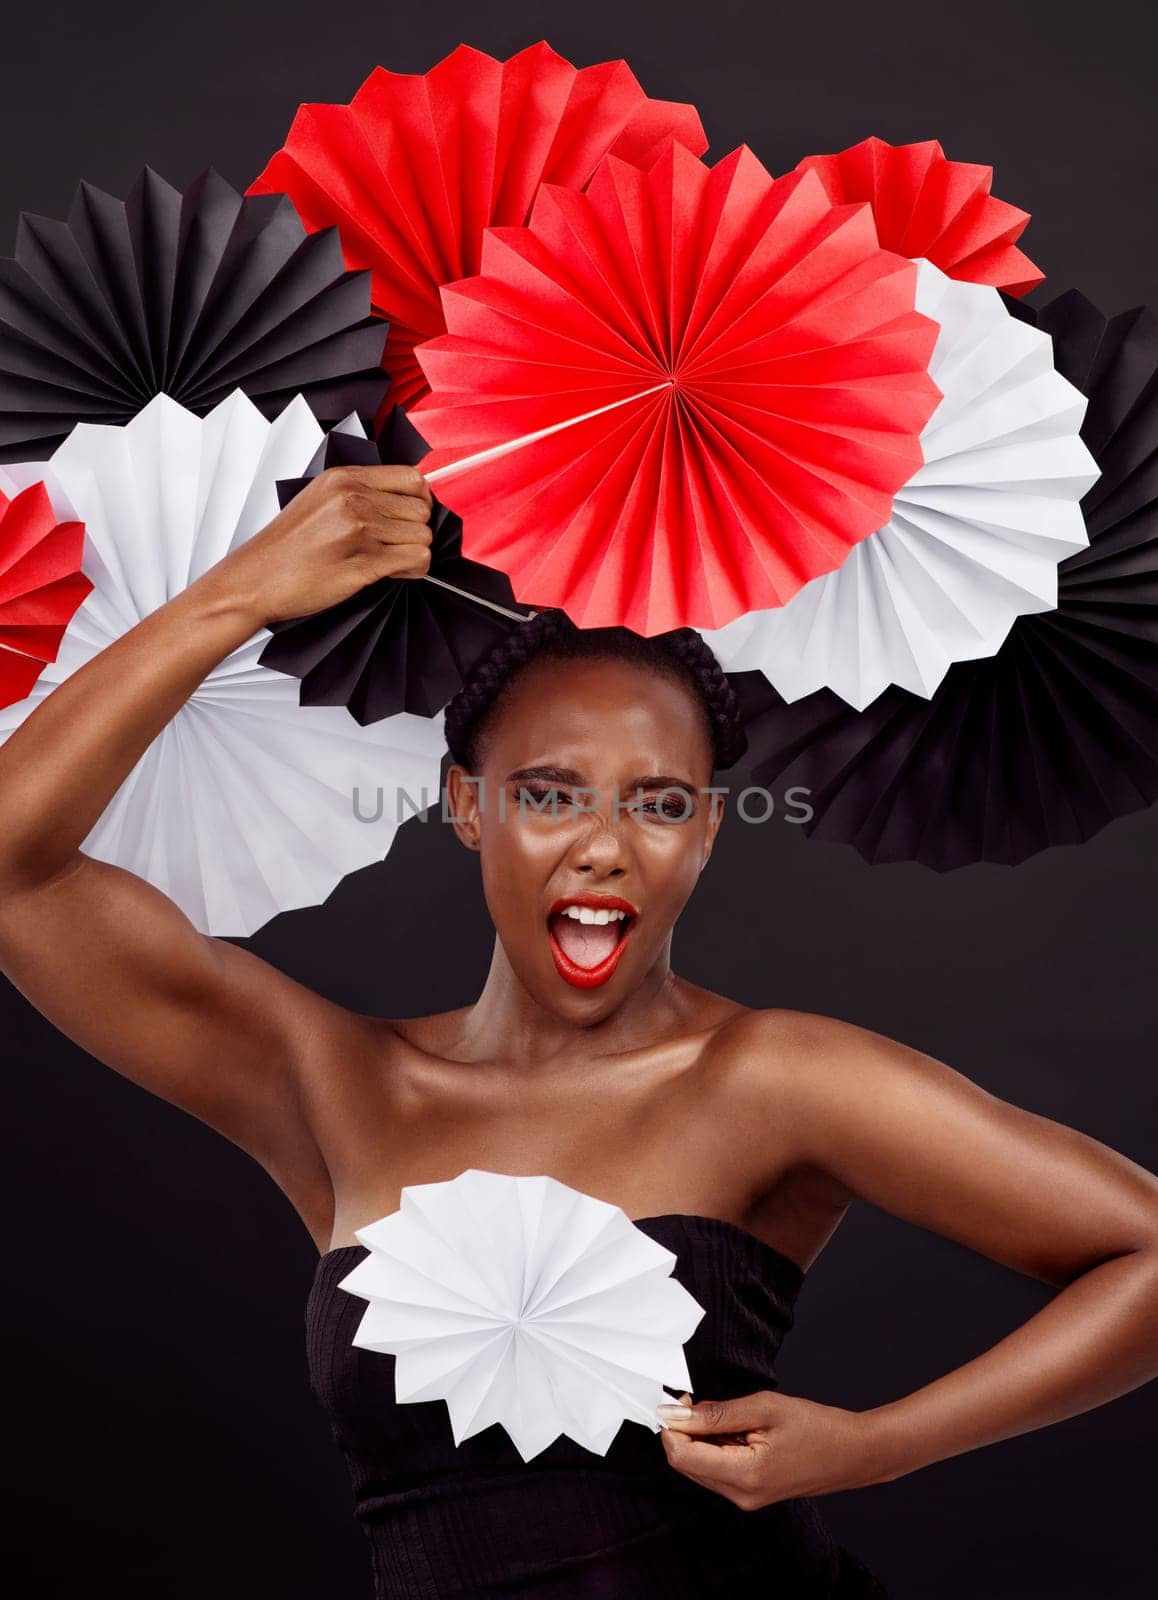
[(516, 861), (670, 857)]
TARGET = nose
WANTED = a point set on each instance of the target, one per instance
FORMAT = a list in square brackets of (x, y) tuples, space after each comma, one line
[(601, 852)]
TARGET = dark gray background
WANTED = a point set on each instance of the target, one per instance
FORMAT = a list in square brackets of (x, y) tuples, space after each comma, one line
[(160, 1439)]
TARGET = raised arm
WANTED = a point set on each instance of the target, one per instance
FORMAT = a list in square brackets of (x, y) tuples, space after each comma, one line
[(107, 957), (913, 1136)]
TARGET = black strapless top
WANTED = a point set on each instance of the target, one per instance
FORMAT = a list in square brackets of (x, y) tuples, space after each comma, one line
[(449, 1522)]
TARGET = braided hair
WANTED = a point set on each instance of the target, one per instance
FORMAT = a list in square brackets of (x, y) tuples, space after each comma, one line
[(550, 635)]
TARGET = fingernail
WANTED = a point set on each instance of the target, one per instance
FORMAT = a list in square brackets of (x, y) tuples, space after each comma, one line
[(673, 1412)]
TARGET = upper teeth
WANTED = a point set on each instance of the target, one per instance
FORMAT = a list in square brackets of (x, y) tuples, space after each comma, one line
[(589, 914)]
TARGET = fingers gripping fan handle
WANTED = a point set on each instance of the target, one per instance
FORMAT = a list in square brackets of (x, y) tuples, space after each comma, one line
[(399, 644), (246, 804)]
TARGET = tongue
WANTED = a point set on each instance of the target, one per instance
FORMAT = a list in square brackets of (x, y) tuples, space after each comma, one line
[(585, 943)]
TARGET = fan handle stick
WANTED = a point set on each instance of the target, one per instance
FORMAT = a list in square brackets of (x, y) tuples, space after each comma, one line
[(491, 605), (496, 452)]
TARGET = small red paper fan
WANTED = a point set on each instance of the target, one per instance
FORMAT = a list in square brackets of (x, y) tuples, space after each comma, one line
[(768, 372), (928, 206), (41, 586), (416, 166)]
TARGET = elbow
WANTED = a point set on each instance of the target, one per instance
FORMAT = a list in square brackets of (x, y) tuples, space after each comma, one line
[(1145, 1229), (1146, 1242), (21, 877), (1139, 1242), (1133, 1237), (18, 876), (22, 841)]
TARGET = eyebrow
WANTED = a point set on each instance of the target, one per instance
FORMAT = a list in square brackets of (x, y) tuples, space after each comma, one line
[(547, 775), (568, 775), (661, 782)]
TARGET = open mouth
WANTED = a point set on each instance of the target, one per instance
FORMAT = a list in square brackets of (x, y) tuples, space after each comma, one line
[(588, 935)]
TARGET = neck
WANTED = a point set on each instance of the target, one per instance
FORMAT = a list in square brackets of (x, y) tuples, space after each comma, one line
[(507, 1023)]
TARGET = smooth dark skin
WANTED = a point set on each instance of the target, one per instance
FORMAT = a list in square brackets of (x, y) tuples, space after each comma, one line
[(648, 1092)]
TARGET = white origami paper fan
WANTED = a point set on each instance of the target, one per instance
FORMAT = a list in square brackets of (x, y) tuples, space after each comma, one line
[(975, 536), (523, 1302), (244, 805)]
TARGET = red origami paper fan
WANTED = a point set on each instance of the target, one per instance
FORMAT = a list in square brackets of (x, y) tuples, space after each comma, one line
[(416, 166), (757, 374), (928, 206), (41, 586)]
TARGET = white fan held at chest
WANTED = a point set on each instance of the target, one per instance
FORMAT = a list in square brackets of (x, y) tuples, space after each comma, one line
[(523, 1302)]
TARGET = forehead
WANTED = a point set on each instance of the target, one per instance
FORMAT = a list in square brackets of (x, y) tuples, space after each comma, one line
[(599, 714)]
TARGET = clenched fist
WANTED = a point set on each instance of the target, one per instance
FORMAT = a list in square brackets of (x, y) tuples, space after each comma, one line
[(349, 527)]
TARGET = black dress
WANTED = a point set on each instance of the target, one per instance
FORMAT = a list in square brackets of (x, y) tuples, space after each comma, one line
[(448, 1523)]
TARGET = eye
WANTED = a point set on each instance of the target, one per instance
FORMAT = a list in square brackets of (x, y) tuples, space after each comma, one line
[(544, 797), (670, 805)]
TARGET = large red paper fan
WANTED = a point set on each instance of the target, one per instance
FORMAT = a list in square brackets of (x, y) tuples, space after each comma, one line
[(41, 586), (416, 166), (770, 374), (926, 205)]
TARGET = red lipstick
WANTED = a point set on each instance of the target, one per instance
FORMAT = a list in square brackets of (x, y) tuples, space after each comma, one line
[(584, 977)]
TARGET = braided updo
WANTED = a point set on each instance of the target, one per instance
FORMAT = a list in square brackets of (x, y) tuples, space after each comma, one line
[(551, 636)]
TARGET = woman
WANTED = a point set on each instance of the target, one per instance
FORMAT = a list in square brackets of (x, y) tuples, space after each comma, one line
[(736, 1137)]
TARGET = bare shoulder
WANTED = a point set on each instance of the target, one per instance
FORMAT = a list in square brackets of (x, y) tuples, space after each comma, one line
[(764, 1080), (816, 1073), (776, 1046), (914, 1136), (815, 1053)]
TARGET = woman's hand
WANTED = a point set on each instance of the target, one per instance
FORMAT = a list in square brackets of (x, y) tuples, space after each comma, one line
[(768, 1446), (346, 529), (106, 957)]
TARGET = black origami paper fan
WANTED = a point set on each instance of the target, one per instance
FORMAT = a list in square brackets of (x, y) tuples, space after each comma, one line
[(1057, 734), (192, 294), (401, 644)]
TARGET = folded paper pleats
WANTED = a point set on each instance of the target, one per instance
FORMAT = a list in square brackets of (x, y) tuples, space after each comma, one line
[(524, 1303), (41, 584), (417, 165), (927, 206), (246, 804), (751, 371), (1054, 736), (189, 293), (974, 538)]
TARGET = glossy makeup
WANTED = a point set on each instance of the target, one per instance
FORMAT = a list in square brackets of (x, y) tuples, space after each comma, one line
[(589, 813), (583, 958)]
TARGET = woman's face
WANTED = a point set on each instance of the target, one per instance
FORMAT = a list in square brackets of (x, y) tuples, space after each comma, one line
[(592, 825)]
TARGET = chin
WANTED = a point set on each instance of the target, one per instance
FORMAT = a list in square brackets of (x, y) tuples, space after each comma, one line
[(582, 1007), (578, 1002)]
